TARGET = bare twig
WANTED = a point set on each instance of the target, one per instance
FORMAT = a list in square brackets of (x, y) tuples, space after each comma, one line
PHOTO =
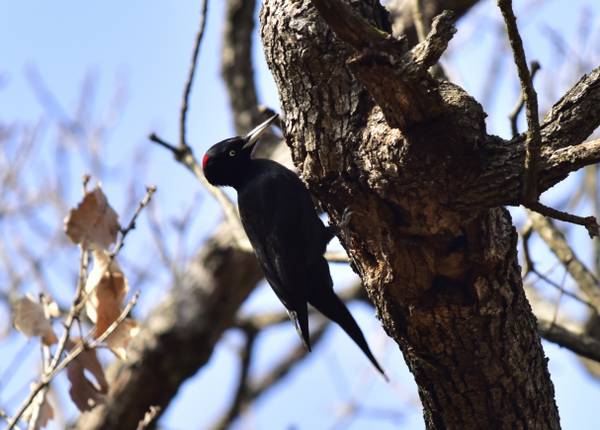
[(525, 234), (76, 307), (177, 152), (559, 246), (514, 114), (534, 136), (74, 313), (149, 191), (80, 347), (6, 417), (589, 222), (280, 370), (240, 399), (190, 79), (561, 289)]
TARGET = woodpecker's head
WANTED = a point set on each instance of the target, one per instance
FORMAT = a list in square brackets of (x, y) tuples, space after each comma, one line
[(225, 162)]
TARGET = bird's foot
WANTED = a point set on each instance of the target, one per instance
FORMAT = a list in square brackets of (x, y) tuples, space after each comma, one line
[(344, 224)]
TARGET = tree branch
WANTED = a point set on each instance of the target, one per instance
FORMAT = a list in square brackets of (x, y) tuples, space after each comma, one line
[(384, 61), (399, 81), (514, 114), (581, 344), (575, 116), (188, 85), (534, 137), (555, 240), (402, 14), (240, 397)]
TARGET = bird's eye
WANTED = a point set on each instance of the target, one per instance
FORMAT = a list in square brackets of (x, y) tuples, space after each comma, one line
[(231, 153)]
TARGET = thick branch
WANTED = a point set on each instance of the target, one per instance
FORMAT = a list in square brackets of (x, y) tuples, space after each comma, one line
[(575, 116), (572, 119), (400, 83), (581, 344), (398, 80)]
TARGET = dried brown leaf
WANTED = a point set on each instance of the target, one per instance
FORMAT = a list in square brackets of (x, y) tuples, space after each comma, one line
[(94, 224), (45, 414), (29, 319), (109, 286), (83, 392), (106, 303), (118, 340), (89, 360)]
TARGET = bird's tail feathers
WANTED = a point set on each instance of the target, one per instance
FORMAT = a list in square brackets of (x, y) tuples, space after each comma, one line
[(329, 304), (301, 329)]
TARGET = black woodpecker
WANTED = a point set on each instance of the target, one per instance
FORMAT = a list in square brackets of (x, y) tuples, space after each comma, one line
[(288, 237)]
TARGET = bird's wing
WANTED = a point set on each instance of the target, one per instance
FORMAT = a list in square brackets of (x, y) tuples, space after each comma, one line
[(274, 219)]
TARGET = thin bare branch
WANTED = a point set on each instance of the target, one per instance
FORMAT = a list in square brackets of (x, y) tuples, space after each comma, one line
[(80, 347), (525, 234), (559, 246), (550, 282), (534, 136), (280, 370), (589, 222), (190, 79), (514, 114), (240, 397), (7, 418)]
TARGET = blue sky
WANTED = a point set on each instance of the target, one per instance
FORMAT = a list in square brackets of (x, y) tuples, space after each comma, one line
[(147, 46)]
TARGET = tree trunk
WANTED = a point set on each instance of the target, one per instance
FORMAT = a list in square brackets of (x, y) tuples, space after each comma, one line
[(435, 252)]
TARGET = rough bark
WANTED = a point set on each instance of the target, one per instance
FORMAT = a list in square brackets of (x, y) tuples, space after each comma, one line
[(429, 239)]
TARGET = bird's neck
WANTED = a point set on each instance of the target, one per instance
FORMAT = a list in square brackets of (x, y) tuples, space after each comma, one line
[(244, 174)]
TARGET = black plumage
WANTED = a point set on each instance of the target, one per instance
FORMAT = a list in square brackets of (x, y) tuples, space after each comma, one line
[(286, 233)]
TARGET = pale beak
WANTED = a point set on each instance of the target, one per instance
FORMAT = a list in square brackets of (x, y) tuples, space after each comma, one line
[(255, 134)]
